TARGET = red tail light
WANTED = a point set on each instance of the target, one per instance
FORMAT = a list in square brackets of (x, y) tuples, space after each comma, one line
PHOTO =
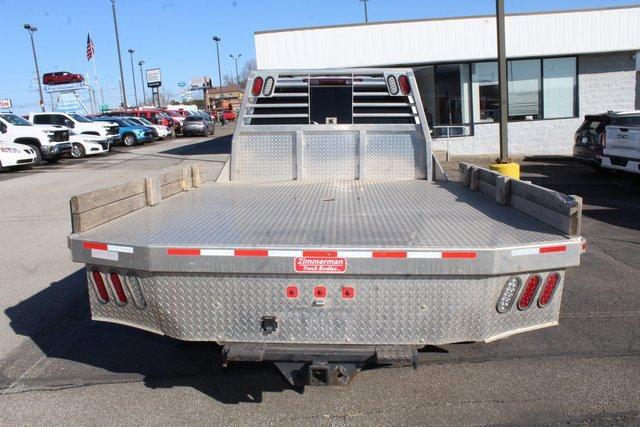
[(529, 292), (403, 81), (101, 289), (116, 282), (548, 290), (257, 86)]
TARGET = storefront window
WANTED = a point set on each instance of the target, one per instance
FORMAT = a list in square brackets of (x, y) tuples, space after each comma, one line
[(452, 94), (524, 89), (485, 92), (559, 87)]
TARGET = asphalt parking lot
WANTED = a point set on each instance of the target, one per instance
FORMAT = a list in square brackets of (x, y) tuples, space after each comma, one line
[(58, 366)]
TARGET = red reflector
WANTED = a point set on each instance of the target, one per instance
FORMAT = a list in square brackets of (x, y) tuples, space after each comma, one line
[(403, 81), (292, 291), (549, 288), (320, 254), (320, 292), (251, 252), (529, 292), (550, 249), (257, 86), (458, 255), (98, 281), (183, 252), (95, 245), (117, 287), (389, 254), (348, 292)]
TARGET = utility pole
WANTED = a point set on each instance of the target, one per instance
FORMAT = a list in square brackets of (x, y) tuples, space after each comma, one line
[(503, 165), (133, 77), (366, 15), (115, 24), (144, 95), (235, 58), (32, 30)]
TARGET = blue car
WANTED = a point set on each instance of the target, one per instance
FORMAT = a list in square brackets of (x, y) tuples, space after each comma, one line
[(130, 133)]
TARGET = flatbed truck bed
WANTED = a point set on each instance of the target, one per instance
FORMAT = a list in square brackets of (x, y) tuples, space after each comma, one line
[(322, 247)]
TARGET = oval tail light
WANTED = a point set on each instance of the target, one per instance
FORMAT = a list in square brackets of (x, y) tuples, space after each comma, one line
[(508, 295), (116, 283), (549, 288), (135, 289), (392, 84), (405, 88), (529, 292), (256, 88), (99, 286), (269, 83)]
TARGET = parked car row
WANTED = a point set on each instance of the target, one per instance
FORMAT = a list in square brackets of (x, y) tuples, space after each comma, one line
[(47, 137), (171, 118), (610, 140)]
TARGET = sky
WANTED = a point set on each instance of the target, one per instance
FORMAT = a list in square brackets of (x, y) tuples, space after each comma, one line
[(176, 35)]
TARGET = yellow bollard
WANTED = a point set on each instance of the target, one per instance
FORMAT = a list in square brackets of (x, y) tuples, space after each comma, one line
[(510, 169)]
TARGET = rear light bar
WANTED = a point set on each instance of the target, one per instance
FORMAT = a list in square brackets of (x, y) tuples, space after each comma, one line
[(100, 287), (257, 86), (405, 88), (529, 292), (549, 288)]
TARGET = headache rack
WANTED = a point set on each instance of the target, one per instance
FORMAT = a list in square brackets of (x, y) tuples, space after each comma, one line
[(348, 124)]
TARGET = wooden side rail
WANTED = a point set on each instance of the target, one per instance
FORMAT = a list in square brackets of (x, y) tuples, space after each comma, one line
[(562, 212), (94, 208)]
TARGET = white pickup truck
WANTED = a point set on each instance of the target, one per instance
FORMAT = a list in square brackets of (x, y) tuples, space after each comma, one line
[(80, 125), (331, 238), (50, 143), (622, 144)]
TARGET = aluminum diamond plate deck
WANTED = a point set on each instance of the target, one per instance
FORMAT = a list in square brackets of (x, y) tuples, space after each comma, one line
[(371, 214)]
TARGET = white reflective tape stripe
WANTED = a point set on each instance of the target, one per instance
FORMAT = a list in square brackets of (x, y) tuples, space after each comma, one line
[(124, 249), (279, 253), (355, 254), (99, 253), (526, 251), (217, 252), (424, 255)]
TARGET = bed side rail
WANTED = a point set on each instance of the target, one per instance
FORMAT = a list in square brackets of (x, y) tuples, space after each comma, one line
[(95, 208), (562, 212)]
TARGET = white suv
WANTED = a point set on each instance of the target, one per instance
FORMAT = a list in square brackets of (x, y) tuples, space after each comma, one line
[(50, 143)]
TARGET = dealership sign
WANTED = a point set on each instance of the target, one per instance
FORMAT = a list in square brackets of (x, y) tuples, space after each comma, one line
[(5, 103), (68, 87), (153, 77), (200, 82)]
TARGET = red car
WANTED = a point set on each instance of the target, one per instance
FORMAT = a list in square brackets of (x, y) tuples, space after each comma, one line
[(229, 115), (61, 77)]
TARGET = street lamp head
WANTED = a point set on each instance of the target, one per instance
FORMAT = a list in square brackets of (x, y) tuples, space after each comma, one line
[(131, 51), (216, 39), (141, 63), (30, 28), (27, 26)]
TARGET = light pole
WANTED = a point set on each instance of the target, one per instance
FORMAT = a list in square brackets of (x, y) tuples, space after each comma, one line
[(32, 30), (235, 58), (217, 40), (144, 95), (366, 15), (115, 24), (133, 77)]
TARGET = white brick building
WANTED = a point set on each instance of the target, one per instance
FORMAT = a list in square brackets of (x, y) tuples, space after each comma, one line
[(562, 65)]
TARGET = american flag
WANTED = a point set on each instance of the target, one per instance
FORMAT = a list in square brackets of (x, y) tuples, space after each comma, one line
[(90, 47)]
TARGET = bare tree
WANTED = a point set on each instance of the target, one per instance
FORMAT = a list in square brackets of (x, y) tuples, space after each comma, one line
[(228, 80), (249, 66)]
